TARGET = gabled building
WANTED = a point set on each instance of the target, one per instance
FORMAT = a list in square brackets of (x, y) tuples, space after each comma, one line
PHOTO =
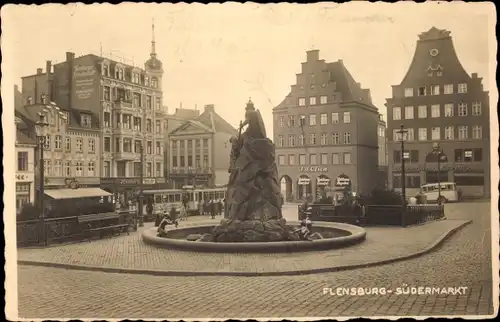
[(199, 151), (25, 165), (439, 102), (325, 132)]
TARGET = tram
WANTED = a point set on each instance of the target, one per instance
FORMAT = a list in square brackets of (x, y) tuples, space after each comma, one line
[(164, 199)]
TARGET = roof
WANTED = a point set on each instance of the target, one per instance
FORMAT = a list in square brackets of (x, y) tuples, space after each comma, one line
[(76, 193), (215, 122), (190, 124), (23, 138)]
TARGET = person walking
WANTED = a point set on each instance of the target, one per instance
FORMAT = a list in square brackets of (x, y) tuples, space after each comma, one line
[(219, 207), (212, 208)]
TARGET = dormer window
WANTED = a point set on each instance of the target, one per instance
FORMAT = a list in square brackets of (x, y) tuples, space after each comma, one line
[(86, 120), (105, 70)]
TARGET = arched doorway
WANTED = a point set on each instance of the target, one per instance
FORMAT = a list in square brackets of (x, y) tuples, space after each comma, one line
[(304, 187), (434, 162), (323, 183), (286, 187)]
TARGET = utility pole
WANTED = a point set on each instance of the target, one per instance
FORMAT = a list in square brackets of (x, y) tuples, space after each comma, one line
[(141, 188), (402, 132)]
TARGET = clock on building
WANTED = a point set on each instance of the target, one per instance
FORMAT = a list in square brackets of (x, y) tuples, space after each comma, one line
[(434, 52)]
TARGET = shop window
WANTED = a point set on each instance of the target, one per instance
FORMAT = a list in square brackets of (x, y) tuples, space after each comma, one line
[(469, 180)]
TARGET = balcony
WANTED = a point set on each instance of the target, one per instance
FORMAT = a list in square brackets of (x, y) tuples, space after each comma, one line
[(125, 156), (124, 129), (125, 106)]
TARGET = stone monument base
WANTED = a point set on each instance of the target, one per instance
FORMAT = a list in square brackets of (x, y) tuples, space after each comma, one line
[(233, 230)]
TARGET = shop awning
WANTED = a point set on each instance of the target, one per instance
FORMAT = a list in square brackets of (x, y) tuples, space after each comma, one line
[(76, 193)]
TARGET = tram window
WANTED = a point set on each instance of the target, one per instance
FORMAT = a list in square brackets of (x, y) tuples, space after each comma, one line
[(157, 198), (170, 198), (177, 197)]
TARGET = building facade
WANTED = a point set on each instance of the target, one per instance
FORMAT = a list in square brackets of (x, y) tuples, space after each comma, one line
[(382, 152), (439, 102), (25, 166), (325, 132), (199, 151), (72, 145)]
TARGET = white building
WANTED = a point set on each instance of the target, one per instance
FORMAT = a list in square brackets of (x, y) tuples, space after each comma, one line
[(25, 166)]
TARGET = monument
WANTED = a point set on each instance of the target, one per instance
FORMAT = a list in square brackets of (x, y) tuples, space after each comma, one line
[(254, 201)]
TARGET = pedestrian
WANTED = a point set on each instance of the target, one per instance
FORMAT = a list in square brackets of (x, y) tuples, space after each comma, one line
[(219, 207), (212, 208)]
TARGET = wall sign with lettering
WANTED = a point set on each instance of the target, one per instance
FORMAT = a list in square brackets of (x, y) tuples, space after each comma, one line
[(313, 169)]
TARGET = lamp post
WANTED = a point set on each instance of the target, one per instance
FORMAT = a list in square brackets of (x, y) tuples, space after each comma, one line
[(439, 153), (402, 133), (141, 188), (40, 129)]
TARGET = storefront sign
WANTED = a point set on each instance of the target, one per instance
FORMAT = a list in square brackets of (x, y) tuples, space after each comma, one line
[(304, 181), (342, 182), (313, 169), (131, 181), (323, 181)]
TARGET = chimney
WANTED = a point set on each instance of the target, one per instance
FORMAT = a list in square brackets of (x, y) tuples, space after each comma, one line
[(366, 92), (48, 66), (70, 56), (474, 75), (39, 71), (210, 108), (312, 55)]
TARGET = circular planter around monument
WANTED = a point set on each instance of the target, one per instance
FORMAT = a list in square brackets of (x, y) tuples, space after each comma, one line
[(347, 235)]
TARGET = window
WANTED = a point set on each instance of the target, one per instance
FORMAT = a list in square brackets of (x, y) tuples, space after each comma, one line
[(312, 139), (91, 145), (302, 159), (58, 142), (149, 126), (408, 92), (422, 91), (448, 89), (476, 108), (469, 180), (149, 147), (106, 93), (323, 99), (149, 170), (436, 133), (158, 126), (190, 161), (302, 120), (396, 136), (86, 120), (410, 135), (435, 110), (291, 120), (107, 119), (197, 163), (462, 132), (335, 138), (281, 140), (324, 139), (448, 110), (409, 112), (182, 161), (335, 118), (107, 144), (396, 113), (281, 121), (477, 132), (105, 70), (137, 100), (347, 158), (324, 158), (335, 158), (137, 124), (312, 100), (22, 161), (154, 82), (422, 134), (117, 145), (291, 159), (412, 156), (158, 148), (79, 169), (58, 168), (313, 159), (149, 102), (79, 145), (291, 140), (107, 169), (91, 169), (301, 140), (46, 143), (312, 119), (347, 117), (137, 146), (67, 168), (449, 133), (347, 138), (302, 101), (422, 111), (281, 160), (462, 88), (462, 109), (434, 89), (47, 167), (127, 145), (323, 120), (396, 156)]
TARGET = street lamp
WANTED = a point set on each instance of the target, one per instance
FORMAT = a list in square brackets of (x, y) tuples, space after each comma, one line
[(436, 149), (402, 133), (41, 132)]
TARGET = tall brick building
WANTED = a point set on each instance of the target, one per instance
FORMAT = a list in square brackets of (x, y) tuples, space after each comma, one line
[(439, 102), (325, 132)]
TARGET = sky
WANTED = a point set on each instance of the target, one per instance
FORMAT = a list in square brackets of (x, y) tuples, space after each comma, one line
[(223, 54)]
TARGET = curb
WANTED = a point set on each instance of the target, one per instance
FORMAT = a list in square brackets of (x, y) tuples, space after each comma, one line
[(154, 272)]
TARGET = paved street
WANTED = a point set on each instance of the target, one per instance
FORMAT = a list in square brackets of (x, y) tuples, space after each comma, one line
[(463, 261)]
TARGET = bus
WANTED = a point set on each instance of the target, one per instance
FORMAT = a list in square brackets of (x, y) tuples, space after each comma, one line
[(449, 192), (164, 199)]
